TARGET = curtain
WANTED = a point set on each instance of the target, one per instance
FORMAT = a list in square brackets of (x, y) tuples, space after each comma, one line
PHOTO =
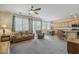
[(13, 24)]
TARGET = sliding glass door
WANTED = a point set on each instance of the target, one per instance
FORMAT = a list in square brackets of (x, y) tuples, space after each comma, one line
[(36, 26), (44, 26), (48, 26)]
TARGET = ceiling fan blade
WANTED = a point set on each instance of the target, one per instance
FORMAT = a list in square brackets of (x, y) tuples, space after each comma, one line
[(36, 13), (37, 9)]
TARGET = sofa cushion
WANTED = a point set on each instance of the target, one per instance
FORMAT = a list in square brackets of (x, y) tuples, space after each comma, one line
[(24, 35)]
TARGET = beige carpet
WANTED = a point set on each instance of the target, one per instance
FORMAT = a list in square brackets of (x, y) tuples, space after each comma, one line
[(48, 45)]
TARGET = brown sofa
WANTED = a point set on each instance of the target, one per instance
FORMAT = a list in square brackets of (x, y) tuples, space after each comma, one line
[(22, 36)]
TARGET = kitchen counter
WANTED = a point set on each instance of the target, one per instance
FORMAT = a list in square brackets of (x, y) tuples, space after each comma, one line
[(73, 46), (73, 41), (5, 47)]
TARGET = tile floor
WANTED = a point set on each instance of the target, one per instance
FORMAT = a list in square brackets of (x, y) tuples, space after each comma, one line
[(48, 45)]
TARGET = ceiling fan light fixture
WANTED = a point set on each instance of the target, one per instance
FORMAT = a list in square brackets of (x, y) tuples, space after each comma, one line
[(31, 12)]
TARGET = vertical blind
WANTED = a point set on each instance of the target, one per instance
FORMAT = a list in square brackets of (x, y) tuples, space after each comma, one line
[(22, 24)]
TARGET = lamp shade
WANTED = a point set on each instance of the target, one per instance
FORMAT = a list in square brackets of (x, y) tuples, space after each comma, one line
[(3, 26)]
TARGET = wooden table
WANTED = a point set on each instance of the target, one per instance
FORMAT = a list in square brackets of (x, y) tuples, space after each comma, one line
[(5, 47), (73, 46)]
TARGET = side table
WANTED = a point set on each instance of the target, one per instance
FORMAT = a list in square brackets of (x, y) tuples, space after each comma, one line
[(5, 38)]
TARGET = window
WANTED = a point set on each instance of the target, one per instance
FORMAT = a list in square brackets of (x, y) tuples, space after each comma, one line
[(44, 25), (36, 25), (48, 26), (21, 24), (25, 25)]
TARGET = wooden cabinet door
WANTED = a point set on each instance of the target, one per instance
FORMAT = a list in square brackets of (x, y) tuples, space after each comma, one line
[(72, 48)]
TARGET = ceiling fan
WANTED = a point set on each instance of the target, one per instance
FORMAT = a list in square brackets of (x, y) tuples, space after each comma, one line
[(34, 10)]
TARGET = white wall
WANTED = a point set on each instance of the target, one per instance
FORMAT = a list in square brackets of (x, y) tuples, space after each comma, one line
[(6, 18)]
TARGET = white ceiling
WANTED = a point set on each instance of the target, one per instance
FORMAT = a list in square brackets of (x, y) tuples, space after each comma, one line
[(48, 11)]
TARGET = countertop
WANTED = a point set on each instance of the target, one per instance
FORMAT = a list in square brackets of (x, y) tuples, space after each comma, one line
[(5, 47), (73, 41)]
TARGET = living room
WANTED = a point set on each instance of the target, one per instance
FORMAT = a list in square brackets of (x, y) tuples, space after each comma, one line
[(38, 28)]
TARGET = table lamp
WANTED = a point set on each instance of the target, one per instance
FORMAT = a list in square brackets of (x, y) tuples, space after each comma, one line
[(3, 27)]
